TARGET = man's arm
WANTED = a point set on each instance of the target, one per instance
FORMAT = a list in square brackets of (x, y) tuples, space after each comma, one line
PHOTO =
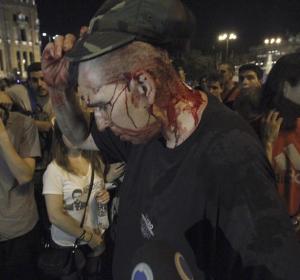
[(87, 144), (57, 74), (21, 168), (43, 126)]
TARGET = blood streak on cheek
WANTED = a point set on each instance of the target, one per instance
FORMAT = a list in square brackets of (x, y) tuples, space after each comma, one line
[(127, 112)]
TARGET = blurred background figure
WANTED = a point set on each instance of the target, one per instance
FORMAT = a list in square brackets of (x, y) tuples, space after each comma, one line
[(231, 91), (281, 129), (247, 104), (250, 76), (215, 85), (19, 233), (181, 73)]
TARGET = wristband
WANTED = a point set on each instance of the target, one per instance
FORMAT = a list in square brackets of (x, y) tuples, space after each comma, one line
[(90, 237), (81, 237)]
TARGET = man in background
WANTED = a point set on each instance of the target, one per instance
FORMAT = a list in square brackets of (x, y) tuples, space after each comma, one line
[(19, 233), (215, 85), (231, 90)]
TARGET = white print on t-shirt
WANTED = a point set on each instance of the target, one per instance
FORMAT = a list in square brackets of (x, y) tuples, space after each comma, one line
[(147, 227), (77, 203), (293, 155), (79, 197)]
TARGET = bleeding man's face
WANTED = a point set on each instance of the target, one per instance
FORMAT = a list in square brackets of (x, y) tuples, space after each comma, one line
[(117, 104)]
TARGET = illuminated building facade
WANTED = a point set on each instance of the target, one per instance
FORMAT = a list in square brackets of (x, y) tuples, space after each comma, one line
[(19, 37)]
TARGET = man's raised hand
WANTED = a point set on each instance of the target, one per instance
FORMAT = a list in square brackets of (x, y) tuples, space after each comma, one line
[(54, 65)]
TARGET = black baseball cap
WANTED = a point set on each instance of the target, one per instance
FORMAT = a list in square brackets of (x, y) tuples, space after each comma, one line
[(164, 23)]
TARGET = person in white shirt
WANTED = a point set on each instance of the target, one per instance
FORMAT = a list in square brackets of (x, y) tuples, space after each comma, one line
[(65, 187)]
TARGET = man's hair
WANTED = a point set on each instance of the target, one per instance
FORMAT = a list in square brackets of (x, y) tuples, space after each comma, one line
[(131, 58), (76, 191), (34, 67), (287, 69), (137, 56), (229, 66), (252, 67), (215, 77)]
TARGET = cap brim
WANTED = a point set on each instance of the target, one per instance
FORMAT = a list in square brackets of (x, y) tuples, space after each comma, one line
[(97, 44)]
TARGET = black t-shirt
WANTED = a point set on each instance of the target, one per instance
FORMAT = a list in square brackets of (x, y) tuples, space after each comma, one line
[(212, 198)]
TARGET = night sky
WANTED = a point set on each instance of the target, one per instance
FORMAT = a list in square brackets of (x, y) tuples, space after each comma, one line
[(251, 20)]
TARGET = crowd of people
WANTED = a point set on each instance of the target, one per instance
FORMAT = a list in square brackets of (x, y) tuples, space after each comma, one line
[(44, 181), (198, 183)]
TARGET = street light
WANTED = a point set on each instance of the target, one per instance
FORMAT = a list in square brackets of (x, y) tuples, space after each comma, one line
[(272, 41), (227, 37), (271, 44)]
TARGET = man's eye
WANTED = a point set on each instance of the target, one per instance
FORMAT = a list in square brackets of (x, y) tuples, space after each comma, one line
[(103, 106)]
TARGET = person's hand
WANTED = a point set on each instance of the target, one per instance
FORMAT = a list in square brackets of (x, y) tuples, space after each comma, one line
[(270, 127), (102, 196), (115, 171), (95, 241), (54, 65)]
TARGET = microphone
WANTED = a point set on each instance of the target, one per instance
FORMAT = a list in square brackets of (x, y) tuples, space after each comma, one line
[(156, 260)]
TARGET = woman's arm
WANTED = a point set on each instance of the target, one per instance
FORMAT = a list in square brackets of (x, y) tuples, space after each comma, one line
[(60, 218), (270, 129)]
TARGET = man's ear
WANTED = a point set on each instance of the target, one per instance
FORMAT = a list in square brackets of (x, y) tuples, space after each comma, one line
[(143, 86)]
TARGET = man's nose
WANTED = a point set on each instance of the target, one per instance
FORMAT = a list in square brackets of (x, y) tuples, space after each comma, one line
[(41, 83), (245, 81)]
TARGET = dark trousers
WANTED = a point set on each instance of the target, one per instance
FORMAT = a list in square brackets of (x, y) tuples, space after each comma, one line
[(18, 257)]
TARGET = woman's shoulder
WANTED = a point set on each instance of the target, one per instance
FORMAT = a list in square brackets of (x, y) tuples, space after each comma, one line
[(53, 167)]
